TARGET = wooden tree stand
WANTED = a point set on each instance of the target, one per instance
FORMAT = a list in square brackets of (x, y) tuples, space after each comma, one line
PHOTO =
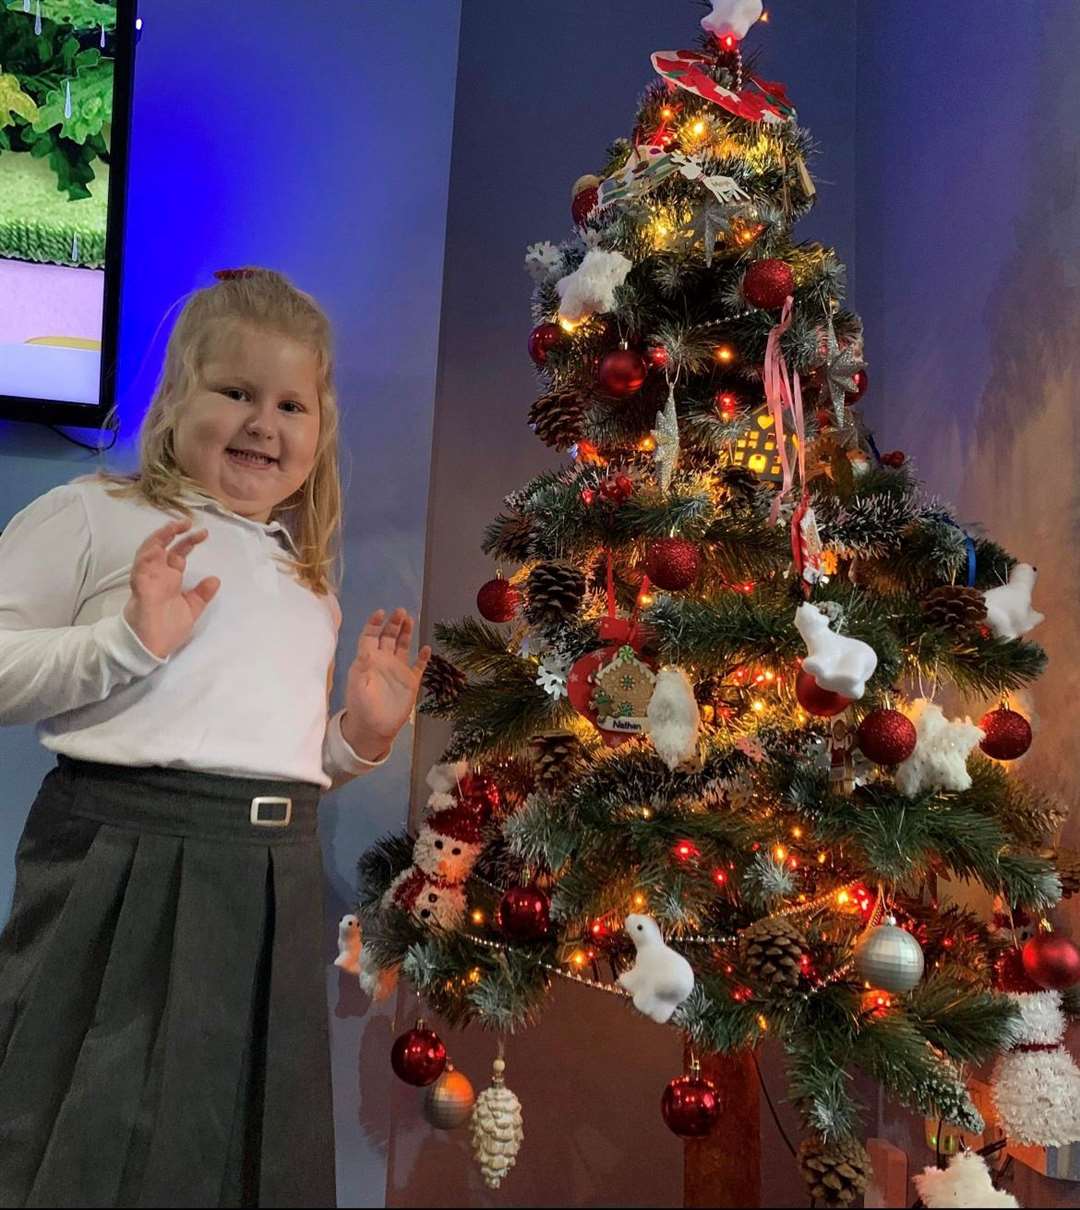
[(724, 1170)]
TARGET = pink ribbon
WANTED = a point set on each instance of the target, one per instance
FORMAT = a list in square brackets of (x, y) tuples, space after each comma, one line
[(783, 390)]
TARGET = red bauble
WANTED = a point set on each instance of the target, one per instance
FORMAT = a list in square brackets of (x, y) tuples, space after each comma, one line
[(498, 600), (542, 339), (657, 356), (622, 371), (691, 1106), (673, 564), (617, 488), (523, 913), (767, 284), (584, 197), (896, 459), (480, 794), (1052, 961), (1009, 973), (821, 703), (886, 737), (861, 383), (1008, 734), (418, 1057)]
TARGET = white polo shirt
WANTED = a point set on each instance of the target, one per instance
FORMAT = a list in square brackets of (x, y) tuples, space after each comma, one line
[(245, 696)]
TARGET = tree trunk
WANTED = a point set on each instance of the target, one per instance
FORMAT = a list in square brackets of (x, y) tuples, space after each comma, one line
[(724, 1170)]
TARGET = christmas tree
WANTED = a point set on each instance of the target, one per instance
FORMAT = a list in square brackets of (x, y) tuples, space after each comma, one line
[(696, 757)]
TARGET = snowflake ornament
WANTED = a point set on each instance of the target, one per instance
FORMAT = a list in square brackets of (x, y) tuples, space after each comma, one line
[(543, 262), (552, 674)]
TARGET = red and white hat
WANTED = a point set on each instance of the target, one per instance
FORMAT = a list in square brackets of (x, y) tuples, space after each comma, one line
[(457, 823)]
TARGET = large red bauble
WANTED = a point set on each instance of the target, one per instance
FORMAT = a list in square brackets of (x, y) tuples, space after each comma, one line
[(1008, 734), (498, 600), (691, 1106), (673, 564), (1009, 973), (887, 737), (418, 1057), (481, 794), (767, 284), (822, 703), (621, 373), (861, 383), (542, 339), (523, 913), (1052, 961)]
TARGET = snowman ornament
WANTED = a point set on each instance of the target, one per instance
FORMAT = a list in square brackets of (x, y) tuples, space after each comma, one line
[(660, 979)]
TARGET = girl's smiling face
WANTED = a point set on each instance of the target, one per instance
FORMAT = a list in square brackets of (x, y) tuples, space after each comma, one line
[(258, 391)]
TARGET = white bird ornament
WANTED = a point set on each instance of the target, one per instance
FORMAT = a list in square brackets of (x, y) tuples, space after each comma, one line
[(660, 979)]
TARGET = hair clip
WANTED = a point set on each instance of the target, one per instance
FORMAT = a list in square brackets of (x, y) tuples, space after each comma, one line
[(233, 274)]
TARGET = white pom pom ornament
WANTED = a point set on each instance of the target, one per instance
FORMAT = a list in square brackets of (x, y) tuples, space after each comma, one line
[(674, 717)]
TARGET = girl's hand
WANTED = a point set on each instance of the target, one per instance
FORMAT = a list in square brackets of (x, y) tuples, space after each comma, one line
[(158, 610), (382, 687)]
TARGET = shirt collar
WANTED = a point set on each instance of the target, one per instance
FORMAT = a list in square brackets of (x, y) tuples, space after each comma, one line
[(201, 500)]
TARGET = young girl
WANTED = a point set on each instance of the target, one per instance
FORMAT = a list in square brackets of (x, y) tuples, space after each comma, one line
[(163, 1021)]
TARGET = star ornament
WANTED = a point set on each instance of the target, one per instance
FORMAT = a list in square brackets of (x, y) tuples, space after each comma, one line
[(841, 366), (942, 747), (666, 436)]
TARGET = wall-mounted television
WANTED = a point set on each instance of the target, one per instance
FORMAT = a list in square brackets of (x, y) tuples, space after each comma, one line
[(66, 72)]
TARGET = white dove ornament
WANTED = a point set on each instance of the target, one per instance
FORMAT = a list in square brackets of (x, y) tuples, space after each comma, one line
[(837, 663), (732, 17), (660, 979), (1008, 608), (349, 945)]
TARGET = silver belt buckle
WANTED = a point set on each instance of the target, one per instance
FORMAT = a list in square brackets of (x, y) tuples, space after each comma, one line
[(256, 803)]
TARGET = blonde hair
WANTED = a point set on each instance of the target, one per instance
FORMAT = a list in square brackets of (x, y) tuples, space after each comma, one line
[(266, 300)]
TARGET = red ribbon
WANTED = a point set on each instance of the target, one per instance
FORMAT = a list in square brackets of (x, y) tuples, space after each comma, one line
[(784, 391)]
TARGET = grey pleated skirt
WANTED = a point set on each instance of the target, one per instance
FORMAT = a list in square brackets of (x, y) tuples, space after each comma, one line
[(163, 1020)]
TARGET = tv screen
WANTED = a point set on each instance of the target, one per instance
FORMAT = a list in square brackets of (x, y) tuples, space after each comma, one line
[(65, 89)]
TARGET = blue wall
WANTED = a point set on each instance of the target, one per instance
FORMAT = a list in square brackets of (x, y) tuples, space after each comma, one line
[(292, 134), (968, 217)]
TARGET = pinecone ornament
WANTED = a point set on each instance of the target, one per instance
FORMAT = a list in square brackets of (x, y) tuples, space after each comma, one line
[(443, 682), (497, 1131), (553, 758), (554, 592), (741, 483), (955, 608), (510, 537), (772, 953), (837, 1172), (558, 418), (1067, 864)]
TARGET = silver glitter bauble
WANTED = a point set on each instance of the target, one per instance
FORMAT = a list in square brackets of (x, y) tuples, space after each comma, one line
[(449, 1101), (890, 959)]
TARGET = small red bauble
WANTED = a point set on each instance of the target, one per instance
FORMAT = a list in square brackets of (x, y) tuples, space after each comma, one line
[(896, 459), (498, 600), (1007, 734), (691, 1106), (621, 373), (481, 794), (1009, 973), (767, 284), (1052, 961), (822, 703), (673, 564), (886, 737), (586, 192), (861, 383), (542, 339), (657, 356), (418, 1057), (617, 488), (523, 913)]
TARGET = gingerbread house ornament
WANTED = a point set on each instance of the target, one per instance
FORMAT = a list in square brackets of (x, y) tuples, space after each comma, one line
[(624, 686)]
